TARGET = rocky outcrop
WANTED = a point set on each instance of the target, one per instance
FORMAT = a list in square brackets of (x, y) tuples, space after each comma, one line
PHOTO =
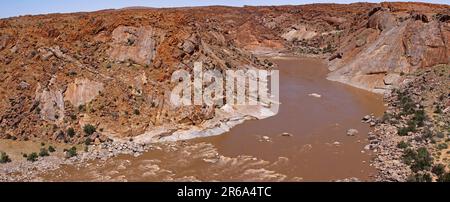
[(82, 91), (136, 44), (51, 104), (299, 32), (395, 43)]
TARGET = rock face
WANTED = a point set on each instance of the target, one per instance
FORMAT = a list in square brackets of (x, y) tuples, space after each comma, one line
[(135, 44), (51, 104), (397, 42), (82, 91), (299, 33)]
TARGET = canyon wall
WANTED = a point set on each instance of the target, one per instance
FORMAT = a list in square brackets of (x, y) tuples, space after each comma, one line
[(112, 68)]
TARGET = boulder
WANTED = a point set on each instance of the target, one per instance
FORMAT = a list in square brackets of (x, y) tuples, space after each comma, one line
[(391, 79), (352, 132)]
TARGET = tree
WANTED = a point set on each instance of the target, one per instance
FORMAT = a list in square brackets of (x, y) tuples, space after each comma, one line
[(51, 149)]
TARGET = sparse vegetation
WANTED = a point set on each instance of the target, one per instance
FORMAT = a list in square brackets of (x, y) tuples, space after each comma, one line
[(51, 149), (418, 160)]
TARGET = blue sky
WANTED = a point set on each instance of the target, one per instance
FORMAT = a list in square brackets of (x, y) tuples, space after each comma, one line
[(11, 8)]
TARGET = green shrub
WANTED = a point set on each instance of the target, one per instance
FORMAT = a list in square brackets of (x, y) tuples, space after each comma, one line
[(32, 157), (87, 141), (438, 169), (73, 116), (4, 158), (82, 108), (442, 146), (418, 160), (136, 112), (444, 178), (402, 145), (70, 132), (403, 131), (89, 129), (438, 110), (51, 149), (427, 134), (419, 117), (440, 135), (425, 177), (71, 152), (409, 156), (43, 152), (423, 160)]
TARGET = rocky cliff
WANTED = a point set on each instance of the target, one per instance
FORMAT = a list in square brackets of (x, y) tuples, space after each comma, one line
[(112, 68)]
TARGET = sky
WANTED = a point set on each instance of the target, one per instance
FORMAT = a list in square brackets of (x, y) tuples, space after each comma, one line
[(10, 8)]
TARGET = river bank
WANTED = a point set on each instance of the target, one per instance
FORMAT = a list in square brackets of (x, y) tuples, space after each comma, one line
[(411, 138)]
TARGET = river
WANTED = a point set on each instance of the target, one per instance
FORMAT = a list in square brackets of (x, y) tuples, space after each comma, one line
[(316, 147)]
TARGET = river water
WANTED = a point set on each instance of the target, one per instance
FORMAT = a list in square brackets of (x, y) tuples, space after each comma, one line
[(317, 149)]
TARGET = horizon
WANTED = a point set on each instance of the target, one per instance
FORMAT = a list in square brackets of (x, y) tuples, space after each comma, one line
[(30, 7)]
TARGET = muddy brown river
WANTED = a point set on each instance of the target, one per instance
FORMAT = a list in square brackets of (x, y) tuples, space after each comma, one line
[(318, 148)]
